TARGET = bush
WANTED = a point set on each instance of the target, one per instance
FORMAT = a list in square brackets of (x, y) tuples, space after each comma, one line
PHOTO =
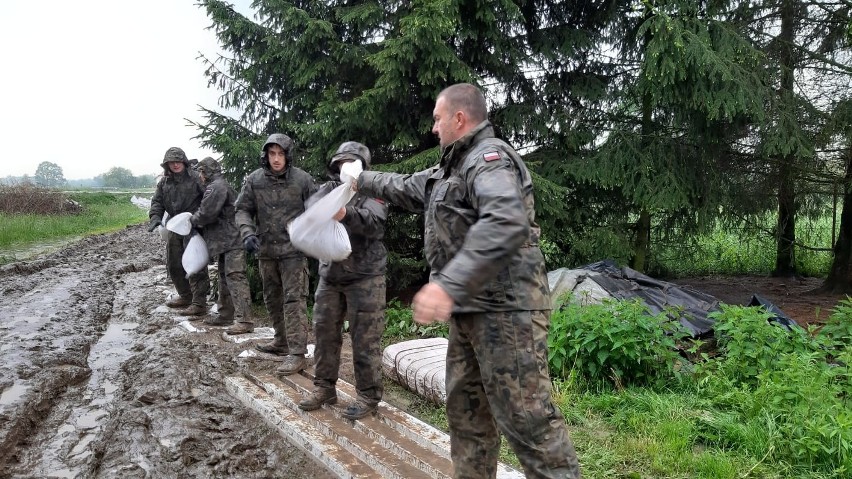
[(836, 332), (617, 342), (34, 200), (749, 343)]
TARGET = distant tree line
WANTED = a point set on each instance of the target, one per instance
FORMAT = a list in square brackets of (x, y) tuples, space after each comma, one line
[(645, 123), (50, 175)]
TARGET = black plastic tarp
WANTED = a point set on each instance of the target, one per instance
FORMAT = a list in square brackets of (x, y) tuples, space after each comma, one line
[(662, 296)]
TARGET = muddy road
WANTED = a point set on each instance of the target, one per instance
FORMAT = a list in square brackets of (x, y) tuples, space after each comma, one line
[(98, 379)]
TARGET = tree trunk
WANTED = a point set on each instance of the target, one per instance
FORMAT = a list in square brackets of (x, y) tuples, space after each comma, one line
[(839, 279), (642, 243), (785, 233)]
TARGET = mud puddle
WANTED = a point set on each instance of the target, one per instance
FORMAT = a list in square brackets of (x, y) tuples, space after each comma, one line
[(98, 380)]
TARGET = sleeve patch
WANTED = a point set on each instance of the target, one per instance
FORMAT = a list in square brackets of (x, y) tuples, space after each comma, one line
[(491, 156)]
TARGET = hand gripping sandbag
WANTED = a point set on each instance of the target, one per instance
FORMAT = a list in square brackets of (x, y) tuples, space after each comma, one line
[(317, 234), (180, 224), (195, 255), (164, 233)]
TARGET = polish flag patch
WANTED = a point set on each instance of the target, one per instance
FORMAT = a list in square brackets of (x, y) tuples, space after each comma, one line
[(491, 156)]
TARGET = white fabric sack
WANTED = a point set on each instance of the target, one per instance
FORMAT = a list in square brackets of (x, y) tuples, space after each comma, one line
[(180, 224), (195, 255), (164, 233), (317, 234)]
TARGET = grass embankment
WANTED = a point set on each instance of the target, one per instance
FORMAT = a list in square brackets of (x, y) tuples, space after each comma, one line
[(27, 221)]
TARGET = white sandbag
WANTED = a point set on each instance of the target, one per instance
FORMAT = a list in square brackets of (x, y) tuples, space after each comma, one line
[(180, 224), (316, 233), (164, 233), (350, 171), (195, 256)]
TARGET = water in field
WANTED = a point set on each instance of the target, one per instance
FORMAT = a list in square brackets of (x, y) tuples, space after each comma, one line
[(32, 250)]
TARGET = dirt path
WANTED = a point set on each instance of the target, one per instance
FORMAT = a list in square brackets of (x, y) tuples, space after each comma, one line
[(97, 381), (794, 296)]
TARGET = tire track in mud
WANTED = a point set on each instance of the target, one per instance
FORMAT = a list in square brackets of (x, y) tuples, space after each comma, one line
[(97, 381)]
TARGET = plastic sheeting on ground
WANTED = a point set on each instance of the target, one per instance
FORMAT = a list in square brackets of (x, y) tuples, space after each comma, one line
[(597, 281)]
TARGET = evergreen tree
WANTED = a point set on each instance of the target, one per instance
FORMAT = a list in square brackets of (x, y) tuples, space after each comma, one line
[(684, 78), (326, 72), (806, 65)]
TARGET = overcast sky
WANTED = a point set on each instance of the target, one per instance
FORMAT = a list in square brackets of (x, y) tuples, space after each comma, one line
[(93, 84)]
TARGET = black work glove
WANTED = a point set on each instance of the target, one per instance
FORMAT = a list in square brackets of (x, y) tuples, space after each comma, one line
[(153, 225), (251, 244)]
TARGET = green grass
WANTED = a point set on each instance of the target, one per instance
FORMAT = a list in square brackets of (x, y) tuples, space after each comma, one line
[(769, 404), (102, 213), (728, 251)]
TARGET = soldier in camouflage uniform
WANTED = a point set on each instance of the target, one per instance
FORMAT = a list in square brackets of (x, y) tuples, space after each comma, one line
[(355, 289), (271, 197), (215, 219), (488, 279), (180, 191)]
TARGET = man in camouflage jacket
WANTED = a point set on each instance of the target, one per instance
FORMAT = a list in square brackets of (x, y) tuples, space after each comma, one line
[(180, 191), (488, 279), (353, 288), (271, 197), (215, 219)]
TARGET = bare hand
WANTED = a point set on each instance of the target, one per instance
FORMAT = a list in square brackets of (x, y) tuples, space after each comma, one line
[(432, 304), (340, 214)]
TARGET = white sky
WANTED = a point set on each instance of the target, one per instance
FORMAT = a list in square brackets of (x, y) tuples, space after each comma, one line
[(93, 84)]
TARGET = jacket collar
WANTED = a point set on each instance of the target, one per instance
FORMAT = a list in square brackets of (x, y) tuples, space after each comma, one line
[(456, 150)]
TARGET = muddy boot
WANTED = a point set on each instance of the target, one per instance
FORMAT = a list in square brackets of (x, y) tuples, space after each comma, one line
[(292, 364), (178, 302), (217, 321), (358, 410), (241, 328), (318, 397), (272, 348), (195, 310)]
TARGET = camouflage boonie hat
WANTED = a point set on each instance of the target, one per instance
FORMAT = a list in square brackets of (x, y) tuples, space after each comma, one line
[(174, 154), (351, 150), (208, 167)]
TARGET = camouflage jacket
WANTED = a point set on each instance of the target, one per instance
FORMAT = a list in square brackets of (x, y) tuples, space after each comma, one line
[(365, 222), (267, 202), (176, 193), (481, 238), (215, 217)]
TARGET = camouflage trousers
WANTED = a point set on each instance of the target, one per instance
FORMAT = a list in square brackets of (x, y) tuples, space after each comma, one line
[(498, 381), (363, 304), (197, 286), (234, 294), (285, 294)]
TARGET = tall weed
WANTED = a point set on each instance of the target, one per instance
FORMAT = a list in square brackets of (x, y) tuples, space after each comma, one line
[(616, 343), (400, 325), (749, 343)]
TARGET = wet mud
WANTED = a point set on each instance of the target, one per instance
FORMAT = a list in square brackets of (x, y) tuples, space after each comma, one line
[(97, 380)]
